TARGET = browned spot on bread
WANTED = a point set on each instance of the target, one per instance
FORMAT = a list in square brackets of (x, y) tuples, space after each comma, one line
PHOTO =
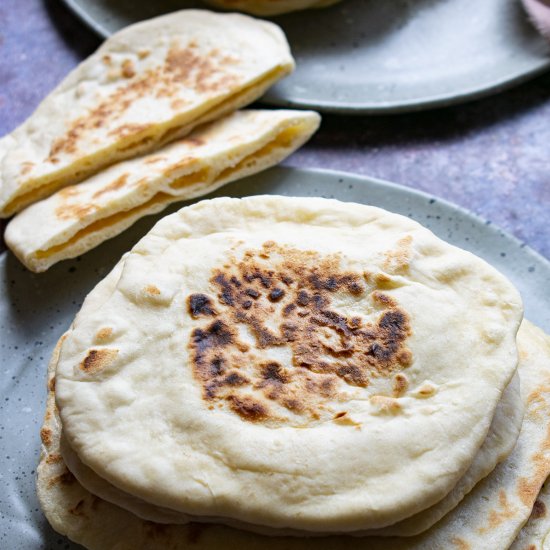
[(154, 160), (383, 299), (200, 304), (184, 69), (176, 167), (529, 487), (51, 384), (26, 167), (118, 183), (98, 359), (54, 458), (69, 211), (142, 54), (46, 436), (106, 59), (127, 69), (397, 261), (282, 297), (400, 384), (152, 290), (78, 509), (460, 544), (104, 333), (386, 404), (248, 408), (539, 510), (504, 511), (66, 478)]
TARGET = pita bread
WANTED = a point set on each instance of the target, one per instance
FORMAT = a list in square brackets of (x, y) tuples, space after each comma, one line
[(79, 217), (270, 7), (283, 329), (147, 85), (487, 518), (535, 534), (500, 442)]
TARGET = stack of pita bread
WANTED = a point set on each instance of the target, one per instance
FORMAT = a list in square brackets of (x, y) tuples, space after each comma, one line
[(291, 373), (164, 94)]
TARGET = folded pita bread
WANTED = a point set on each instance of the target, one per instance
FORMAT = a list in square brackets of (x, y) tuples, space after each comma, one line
[(145, 86), (489, 517), (270, 7), (305, 335), (79, 217)]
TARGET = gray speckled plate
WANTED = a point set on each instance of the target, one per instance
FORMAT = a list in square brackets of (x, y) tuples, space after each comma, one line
[(36, 309), (377, 56)]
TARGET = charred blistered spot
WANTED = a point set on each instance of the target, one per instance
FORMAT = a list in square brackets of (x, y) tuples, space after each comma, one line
[(200, 304), (216, 336), (288, 309), (329, 350), (303, 298), (98, 359), (276, 294), (275, 374), (248, 408), (226, 288), (235, 379), (383, 299)]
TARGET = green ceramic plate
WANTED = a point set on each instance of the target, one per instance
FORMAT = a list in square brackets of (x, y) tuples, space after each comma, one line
[(380, 56), (36, 309)]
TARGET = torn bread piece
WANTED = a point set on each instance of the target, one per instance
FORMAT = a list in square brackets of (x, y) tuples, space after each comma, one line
[(489, 517), (78, 218), (147, 85)]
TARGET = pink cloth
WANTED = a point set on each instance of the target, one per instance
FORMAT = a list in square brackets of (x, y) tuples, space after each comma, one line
[(539, 11)]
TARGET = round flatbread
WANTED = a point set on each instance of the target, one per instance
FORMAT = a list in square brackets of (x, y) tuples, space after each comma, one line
[(292, 363), (500, 441), (489, 517)]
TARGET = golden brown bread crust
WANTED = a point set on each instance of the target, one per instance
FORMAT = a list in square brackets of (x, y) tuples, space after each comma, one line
[(283, 298)]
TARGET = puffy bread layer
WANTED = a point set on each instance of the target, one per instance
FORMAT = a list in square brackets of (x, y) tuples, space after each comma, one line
[(79, 217), (382, 439), (490, 516), (147, 85)]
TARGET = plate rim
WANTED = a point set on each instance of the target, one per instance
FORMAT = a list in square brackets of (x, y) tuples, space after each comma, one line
[(366, 108)]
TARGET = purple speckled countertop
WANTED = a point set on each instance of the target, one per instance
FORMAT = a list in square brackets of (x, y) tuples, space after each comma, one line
[(490, 156)]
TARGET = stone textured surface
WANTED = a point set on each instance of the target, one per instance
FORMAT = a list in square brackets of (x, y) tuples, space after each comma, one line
[(491, 156)]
